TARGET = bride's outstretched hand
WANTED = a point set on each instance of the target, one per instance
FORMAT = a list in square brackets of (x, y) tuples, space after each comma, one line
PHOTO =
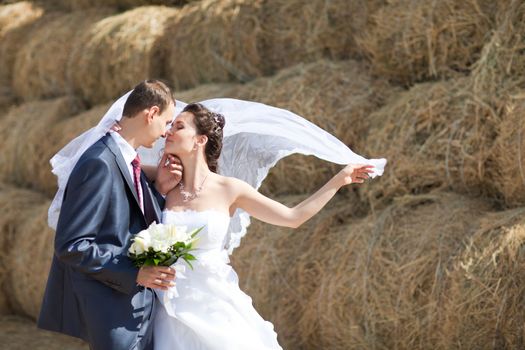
[(355, 173)]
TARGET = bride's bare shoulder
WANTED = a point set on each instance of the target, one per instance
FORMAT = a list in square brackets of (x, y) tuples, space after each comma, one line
[(227, 180), (232, 184)]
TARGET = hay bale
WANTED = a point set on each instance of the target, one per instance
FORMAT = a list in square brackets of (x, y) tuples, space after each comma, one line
[(16, 22), (21, 334), (384, 281), (28, 250), (296, 31), (342, 282), (413, 41), (483, 303), (117, 52), (28, 144), (29, 271), (18, 207), (435, 135), (40, 63), (214, 41), (443, 274), (337, 96)]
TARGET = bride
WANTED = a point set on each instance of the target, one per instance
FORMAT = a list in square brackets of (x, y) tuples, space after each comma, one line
[(209, 310)]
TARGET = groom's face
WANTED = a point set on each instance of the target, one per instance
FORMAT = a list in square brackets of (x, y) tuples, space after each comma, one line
[(159, 125)]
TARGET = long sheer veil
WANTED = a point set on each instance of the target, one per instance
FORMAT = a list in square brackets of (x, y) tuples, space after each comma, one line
[(256, 137)]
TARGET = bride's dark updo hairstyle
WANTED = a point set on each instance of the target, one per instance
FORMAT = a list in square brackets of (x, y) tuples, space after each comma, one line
[(210, 124)]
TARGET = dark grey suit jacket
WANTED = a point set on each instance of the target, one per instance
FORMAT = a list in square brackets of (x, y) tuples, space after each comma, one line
[(91, 291)]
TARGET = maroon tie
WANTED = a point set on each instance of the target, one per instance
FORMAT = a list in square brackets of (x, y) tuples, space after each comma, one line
[(136, 179)]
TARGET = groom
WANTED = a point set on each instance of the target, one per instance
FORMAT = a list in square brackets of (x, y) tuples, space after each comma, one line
[(93, 291)]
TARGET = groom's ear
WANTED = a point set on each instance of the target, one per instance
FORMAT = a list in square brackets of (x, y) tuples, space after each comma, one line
[(151, 113)]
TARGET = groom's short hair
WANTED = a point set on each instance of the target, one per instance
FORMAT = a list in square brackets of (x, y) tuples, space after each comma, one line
[(147, 94)]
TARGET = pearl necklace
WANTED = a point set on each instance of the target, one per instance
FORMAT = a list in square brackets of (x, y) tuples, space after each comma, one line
[(188, 196)]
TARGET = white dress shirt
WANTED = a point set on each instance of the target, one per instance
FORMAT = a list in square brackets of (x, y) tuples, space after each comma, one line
[(129, 154)]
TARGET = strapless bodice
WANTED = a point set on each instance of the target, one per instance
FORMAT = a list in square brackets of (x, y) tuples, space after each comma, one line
[(215, 224)]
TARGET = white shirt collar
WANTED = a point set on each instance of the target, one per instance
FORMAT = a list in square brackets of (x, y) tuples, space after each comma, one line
[(128, 152)]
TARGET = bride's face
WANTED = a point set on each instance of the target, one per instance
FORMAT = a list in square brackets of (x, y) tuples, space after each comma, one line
[(182, 137)]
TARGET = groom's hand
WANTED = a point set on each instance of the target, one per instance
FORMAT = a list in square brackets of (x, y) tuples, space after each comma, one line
[(169, 173), (159, 277)]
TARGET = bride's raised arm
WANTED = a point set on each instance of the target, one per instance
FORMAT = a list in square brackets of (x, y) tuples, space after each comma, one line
[(275, 213)]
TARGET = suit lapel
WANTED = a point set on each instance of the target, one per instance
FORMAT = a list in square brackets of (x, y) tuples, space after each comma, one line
[(110, 143)]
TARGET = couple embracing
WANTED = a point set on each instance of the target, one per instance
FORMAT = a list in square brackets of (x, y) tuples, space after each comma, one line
[(209, 158)]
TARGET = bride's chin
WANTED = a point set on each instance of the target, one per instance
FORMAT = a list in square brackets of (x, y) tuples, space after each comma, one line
[(176, 151), (173, 151), (170, 149)]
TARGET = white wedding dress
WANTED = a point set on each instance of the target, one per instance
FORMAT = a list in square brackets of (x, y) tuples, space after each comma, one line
[(209, 312)]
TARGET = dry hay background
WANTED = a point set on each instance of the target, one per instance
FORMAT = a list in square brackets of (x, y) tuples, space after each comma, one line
[(21, 334), (98, 53), (241, 40), (427, 256), (415, 40), (432, 271), (435, 135), (451, 133), (39, 67), (28, 146), (14, 19)]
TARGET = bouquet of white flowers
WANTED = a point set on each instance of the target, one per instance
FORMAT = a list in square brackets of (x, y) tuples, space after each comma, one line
[(163, 245)]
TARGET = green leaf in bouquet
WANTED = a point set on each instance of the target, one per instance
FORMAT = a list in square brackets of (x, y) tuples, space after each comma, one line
[(196, 231), (188, 256), (171, 260), (188, 262)]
